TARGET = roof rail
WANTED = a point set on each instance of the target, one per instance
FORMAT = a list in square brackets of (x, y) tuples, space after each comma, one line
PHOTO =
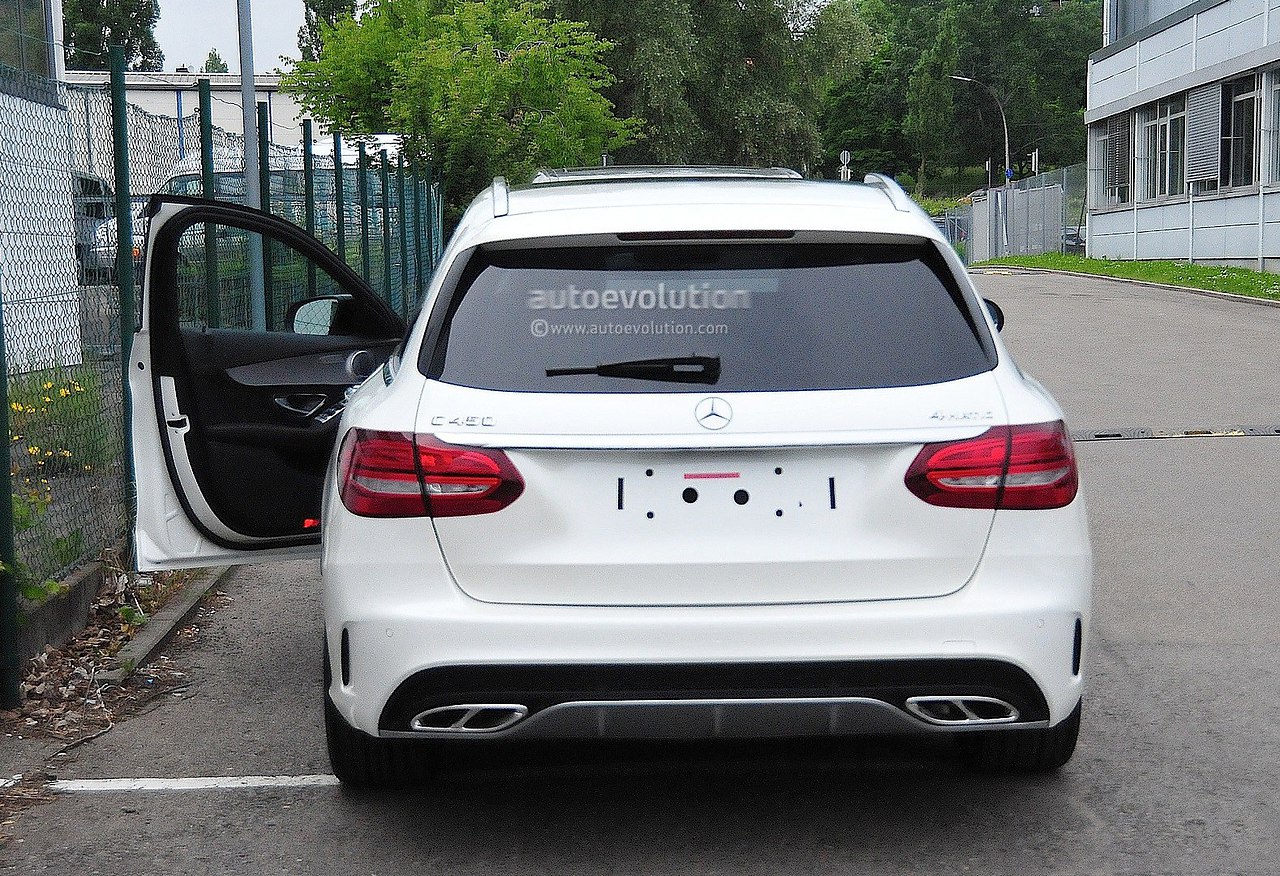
[(887, 184), (501, 197), (634, 172)]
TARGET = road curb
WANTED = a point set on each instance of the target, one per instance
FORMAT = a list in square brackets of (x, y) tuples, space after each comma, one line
[(162, 624), (1229, 296)]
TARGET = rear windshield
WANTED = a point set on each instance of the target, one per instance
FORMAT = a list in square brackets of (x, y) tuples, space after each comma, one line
[(777, 317)]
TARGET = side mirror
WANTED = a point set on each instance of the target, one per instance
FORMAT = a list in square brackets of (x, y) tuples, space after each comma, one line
[(997, 315), (313, 316)]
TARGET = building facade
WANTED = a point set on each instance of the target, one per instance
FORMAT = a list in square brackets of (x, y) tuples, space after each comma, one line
[(1184, 151), (40, 194), (176, 96)]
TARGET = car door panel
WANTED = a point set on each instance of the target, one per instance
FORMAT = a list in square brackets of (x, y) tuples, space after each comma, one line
[(244, 418)]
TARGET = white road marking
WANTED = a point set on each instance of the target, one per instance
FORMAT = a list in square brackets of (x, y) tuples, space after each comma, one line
[(199, 783)]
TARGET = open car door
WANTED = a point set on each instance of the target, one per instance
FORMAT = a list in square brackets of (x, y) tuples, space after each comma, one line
[(251, 333)]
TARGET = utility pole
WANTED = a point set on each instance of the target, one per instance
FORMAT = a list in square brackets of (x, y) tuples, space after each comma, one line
[(252, 181)]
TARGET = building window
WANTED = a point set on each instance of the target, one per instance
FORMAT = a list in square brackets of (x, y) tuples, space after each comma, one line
[(1115, 159), (1239, 157), (1164, 149), (24, 36)]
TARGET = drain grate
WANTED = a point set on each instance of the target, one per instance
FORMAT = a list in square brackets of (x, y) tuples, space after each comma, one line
[(1132, 434)]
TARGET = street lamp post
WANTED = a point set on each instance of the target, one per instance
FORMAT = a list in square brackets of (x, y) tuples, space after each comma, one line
[(1004, 122), (1003, 202)]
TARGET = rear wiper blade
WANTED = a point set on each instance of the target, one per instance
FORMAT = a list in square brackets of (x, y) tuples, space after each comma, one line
[(685, 369)]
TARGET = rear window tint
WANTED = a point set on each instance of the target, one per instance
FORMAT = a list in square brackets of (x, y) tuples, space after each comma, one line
[(779, 317)]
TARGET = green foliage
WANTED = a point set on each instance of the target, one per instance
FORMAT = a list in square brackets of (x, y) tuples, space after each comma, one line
[(55, 421), (898, 110), (1214, 278), (29, 507), (482, 88), (90, 26), (930, 112), (936, 206), (214, 63), (722, 81)]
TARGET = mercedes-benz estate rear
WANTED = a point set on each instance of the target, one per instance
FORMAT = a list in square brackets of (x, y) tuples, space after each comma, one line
[(680, 458)]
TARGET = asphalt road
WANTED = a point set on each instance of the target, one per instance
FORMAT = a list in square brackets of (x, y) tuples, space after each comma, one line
[(1178, 769)]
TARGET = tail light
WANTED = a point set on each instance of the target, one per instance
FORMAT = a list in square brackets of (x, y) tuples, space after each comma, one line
[(1027, 467), (397, 474)]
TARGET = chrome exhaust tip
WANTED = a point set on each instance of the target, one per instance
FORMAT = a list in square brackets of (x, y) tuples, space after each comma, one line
[(962, 711), (469, 718)]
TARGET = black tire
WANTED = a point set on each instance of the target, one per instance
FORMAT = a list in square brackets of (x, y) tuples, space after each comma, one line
[(1022, 751), (363, 761)]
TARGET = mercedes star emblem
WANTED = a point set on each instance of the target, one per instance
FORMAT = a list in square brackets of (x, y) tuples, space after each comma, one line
[(713, 413)]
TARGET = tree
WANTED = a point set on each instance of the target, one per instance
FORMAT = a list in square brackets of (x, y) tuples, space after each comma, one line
[(214, 63), (316, 16), (1033, 58), (91, 26), (481, 88), (725, 81), (929, 122)]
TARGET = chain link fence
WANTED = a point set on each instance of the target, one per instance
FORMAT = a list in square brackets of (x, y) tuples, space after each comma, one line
[(59, 233), (1044, 213)]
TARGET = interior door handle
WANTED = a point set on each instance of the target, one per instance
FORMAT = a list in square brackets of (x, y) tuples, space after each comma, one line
[(304, 405)]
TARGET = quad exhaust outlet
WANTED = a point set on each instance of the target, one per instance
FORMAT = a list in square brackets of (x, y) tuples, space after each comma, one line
[(962, 711), (469, 718)]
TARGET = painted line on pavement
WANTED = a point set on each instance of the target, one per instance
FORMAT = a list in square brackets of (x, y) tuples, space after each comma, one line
[(199, 783)]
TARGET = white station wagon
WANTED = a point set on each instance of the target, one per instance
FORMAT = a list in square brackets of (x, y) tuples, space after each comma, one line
[(667, 453)]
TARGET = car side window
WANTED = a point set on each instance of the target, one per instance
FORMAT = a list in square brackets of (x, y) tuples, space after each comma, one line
[(233, 278)]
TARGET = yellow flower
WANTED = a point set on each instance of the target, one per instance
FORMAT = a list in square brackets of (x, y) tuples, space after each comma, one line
[(33, 450), (88, 467), (66, 453), (64, 392), (48, 385), (47, 400), (17, 406)]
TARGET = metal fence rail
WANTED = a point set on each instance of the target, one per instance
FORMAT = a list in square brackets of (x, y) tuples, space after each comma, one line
[(61, 286), (1040, 214)]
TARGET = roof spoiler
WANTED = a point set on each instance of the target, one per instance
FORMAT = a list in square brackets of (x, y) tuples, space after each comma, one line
[(900, 199)]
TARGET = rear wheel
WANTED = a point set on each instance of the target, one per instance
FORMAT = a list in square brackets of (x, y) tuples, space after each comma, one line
[(363, 761), (1022, 751)]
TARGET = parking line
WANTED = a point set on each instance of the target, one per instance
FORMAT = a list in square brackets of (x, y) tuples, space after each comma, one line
[(198, 783)]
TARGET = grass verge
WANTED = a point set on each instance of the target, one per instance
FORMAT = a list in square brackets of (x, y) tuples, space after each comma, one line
[(1237, 281)]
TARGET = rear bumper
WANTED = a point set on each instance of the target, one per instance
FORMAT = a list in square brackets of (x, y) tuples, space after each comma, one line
[(416, 642), (693, 701)]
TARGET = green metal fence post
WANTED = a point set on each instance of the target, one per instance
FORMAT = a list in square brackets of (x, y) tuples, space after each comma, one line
[(418, 238), (208, 188), (309, 196), (339, 196), (10, 662), (362, 192), (404, 238), (434, 195), (383, 168), (264, 177), (124, 267)]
